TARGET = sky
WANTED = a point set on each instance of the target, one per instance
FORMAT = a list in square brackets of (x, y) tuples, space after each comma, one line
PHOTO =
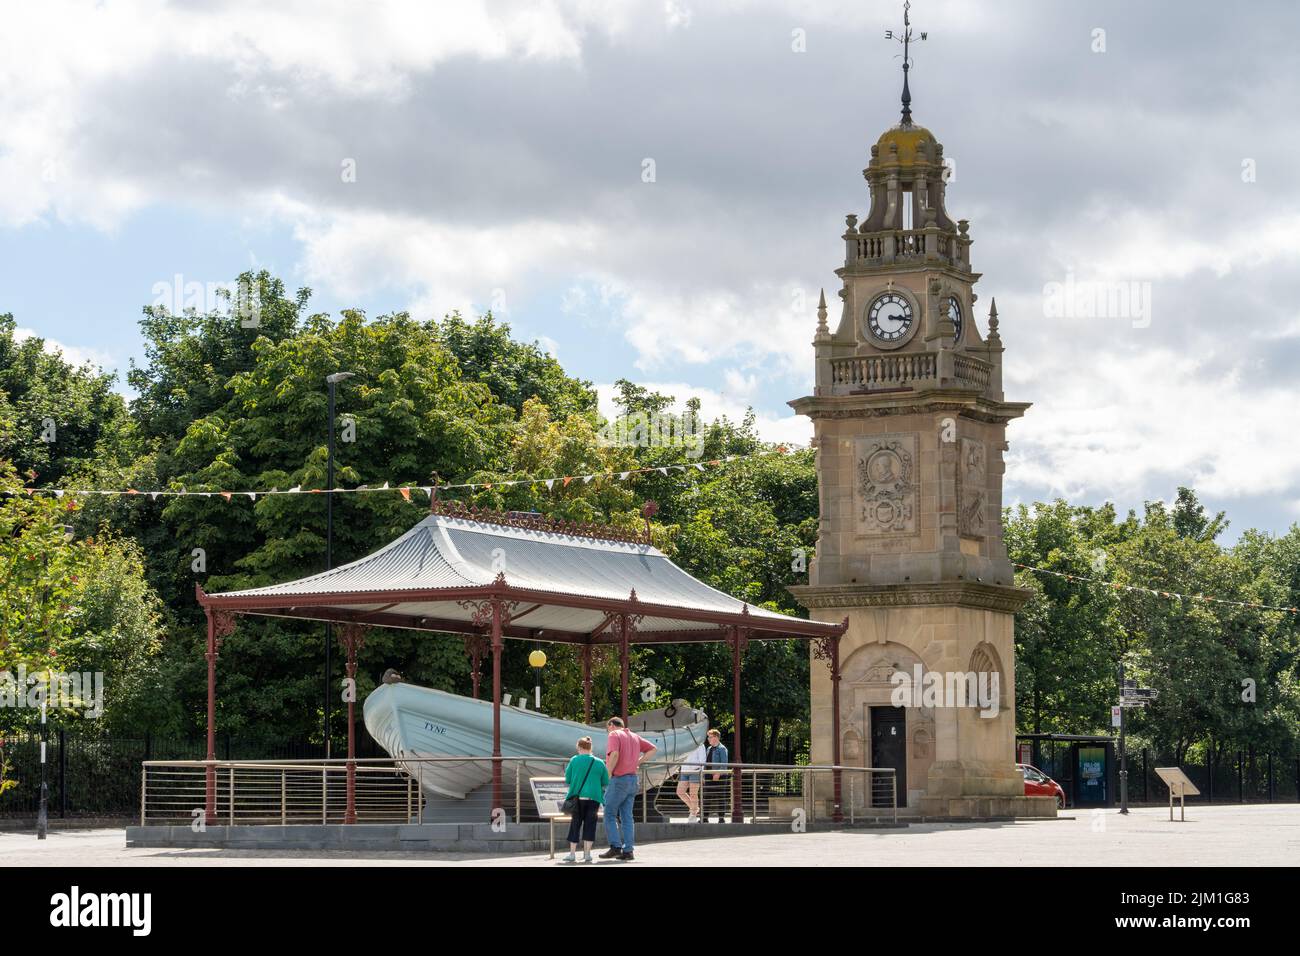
[(656, 191)]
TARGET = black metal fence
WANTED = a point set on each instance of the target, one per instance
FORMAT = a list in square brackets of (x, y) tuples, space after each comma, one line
[(1240, 776), (95, 776)]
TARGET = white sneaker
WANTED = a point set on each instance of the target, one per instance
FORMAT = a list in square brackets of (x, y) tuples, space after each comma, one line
[(586, 857), (571, 857), (692, 819)]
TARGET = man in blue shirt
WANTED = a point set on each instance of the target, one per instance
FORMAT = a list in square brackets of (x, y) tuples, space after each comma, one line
[(716, 758)]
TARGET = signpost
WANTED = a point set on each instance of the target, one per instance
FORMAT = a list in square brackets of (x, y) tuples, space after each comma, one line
[(1130, 695)]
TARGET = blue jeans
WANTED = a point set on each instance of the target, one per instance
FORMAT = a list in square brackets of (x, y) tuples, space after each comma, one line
[(619, 797)]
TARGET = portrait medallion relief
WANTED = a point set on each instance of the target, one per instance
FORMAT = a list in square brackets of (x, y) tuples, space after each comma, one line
[(885, 485)]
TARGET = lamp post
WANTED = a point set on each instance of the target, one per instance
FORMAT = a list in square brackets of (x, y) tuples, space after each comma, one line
[(537, 660), (332, 381), (43, 813), (1123, 755), (42, 816)]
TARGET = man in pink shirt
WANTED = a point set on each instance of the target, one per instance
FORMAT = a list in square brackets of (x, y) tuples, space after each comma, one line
[(623, 755)]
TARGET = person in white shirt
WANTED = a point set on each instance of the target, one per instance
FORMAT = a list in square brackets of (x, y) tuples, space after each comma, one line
[(688, 782)]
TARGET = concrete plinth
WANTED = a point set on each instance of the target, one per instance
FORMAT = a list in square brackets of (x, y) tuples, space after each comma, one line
[(986, 808), (444, 837)]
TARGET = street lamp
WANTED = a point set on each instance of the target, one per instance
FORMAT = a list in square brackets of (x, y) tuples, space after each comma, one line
[(332, 381), (43, 813)]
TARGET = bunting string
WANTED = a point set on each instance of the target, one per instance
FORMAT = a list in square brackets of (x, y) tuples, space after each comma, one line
[(563, 481), (1158, 592)]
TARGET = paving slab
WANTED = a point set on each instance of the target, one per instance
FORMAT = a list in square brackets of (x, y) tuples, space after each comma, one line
[(1255, 835)]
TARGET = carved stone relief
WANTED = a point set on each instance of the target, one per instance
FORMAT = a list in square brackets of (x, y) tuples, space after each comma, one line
[(884, 487), (921, 742), (972, 489)]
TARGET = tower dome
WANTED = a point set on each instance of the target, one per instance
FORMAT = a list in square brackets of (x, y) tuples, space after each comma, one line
[(904, 144)]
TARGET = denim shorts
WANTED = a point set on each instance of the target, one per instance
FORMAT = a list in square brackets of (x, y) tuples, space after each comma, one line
[(689, 778)]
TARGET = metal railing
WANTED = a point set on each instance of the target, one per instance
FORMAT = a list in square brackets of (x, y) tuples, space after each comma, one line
[(419, 790)]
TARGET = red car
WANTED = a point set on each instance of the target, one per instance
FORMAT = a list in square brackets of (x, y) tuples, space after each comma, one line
[(1039, 784)]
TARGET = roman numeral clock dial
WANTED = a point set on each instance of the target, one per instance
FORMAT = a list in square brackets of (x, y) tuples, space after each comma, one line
[(954, 313), (889, 318)]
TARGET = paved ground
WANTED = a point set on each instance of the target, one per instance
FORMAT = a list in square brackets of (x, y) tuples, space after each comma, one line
[(1212, 836)]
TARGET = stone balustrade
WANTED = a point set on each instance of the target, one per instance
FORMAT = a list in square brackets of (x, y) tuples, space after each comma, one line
[(884, 371), (901, 245), (906, 369), (971, 371)]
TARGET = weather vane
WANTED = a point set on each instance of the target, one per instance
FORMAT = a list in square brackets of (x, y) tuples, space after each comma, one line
[(906, 39)]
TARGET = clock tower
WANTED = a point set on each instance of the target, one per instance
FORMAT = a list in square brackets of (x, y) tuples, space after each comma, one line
[(909, 420)]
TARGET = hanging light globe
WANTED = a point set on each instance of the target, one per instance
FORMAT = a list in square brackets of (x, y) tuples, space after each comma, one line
[(537, 659)]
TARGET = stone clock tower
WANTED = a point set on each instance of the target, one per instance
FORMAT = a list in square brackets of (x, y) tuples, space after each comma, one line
[(910, 421)]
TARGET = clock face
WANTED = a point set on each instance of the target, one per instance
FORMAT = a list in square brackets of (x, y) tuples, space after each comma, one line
[(954, 312), (890, 317)]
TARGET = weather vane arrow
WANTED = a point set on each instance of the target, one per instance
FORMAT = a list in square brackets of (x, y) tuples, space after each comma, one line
[(906, 38)]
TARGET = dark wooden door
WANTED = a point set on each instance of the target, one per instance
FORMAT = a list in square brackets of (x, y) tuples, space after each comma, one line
[(889, 749)]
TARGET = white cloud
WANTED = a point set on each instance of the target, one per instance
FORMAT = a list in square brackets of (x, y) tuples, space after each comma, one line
[(499, 147), (71, 353), (58, 55), (785, 429), (1144, 418)]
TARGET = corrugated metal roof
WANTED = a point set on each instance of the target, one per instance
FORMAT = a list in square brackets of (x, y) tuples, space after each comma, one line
[(450, 552)]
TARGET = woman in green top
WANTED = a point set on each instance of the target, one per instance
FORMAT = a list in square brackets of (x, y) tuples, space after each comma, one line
[(587, 778)]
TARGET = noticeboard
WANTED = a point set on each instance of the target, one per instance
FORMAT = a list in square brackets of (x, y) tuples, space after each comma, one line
[(1177, 782), (548, 795)]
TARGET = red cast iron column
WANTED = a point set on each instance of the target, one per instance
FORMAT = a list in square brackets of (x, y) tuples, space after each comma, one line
[(210, 773), (496, 703), (220, 624), (737, 811), (352, 638), (474, 647), (623, 655), (586, 683), (835, 727)]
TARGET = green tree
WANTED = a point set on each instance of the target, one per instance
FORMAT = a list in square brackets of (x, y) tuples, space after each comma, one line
[(73, 605), (57, 421)]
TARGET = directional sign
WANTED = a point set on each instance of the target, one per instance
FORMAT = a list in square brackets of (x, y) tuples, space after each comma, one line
[(1143, 694)]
